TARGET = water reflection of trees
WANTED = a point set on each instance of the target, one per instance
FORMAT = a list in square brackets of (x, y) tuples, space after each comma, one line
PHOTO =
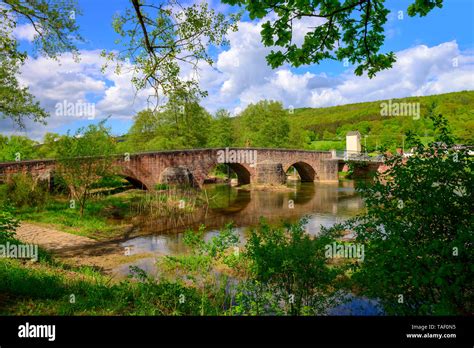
[(245, 208), (225, 198)]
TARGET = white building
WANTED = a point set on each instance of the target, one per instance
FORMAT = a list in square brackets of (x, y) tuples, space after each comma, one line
[(353, 145)]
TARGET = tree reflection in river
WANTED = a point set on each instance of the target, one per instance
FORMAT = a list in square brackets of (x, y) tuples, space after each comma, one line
[(324, 204)]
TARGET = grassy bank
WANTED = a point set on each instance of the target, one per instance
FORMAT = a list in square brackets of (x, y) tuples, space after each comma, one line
[(49, 286), (109, 216), (195, 284), (48, 289), (103, 218)]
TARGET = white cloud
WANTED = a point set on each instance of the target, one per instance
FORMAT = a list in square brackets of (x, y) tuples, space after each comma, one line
[(241, 76), (24, 32), (420, 70), (68, 81), (245, 77)]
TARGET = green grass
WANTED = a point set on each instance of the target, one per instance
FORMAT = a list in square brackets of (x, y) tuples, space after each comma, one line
[(49, 287), (45, 289), (326, 145), (343, 175), (97, 222), (108, 217)]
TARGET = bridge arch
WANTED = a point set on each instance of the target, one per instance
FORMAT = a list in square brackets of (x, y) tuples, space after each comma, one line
[(134, 179), (243, 174), (54, 180), (305, 171), (135, 182)]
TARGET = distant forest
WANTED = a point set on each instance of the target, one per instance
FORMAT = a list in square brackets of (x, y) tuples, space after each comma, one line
[(183, 123)]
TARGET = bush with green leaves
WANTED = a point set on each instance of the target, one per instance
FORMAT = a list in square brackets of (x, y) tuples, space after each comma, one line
[(108, 182), (24, 191), (205, 256), (8, 223), (289, 272), (84, 159), (418, 231), (159, 187)]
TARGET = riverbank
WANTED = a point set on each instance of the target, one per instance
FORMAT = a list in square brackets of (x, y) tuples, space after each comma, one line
[(133, 213), (77, 251), (104, 218), (133, 227), (113, 216), (67, 275), (51, 288), (216, 272)]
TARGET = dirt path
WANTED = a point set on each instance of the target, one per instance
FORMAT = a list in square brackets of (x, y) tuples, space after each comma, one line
[(51, 239), (77, 250)]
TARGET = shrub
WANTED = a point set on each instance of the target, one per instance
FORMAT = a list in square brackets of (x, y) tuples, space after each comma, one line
[(418, 230), (160, 187), (108, 182), (289, 271), (8, 224), (24, 191)]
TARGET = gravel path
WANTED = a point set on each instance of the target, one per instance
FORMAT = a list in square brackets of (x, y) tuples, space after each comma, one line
[(51, 239), (77, 250)]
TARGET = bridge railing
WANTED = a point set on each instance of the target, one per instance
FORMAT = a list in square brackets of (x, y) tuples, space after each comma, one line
[(355, 156)]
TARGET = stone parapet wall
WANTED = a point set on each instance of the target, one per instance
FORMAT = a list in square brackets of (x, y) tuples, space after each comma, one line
[(145, 170)]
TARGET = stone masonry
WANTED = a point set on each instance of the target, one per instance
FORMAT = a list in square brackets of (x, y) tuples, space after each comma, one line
[(145, 170)]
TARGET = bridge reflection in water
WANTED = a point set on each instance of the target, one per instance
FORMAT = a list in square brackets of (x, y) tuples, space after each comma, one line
[(324, 204)]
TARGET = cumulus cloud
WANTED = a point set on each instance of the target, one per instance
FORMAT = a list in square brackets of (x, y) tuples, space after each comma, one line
[(113, 94), (24, 32), (67, 82), (241, 76), (419, 71), (245, 78)]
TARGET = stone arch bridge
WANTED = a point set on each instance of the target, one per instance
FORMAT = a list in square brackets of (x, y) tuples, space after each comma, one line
[(252, 165)]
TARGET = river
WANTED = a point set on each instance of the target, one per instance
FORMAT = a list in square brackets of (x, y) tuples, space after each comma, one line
[(322, 203)]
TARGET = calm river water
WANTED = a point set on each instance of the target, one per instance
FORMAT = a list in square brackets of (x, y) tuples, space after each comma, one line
[(322, 203)]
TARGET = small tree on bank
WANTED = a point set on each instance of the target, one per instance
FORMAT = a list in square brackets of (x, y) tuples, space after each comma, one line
[(83, 159)]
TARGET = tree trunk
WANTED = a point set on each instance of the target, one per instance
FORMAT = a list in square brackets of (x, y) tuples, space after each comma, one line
[(83, 202)]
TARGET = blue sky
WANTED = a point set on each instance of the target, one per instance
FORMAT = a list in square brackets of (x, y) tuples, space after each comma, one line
[(426, 49)]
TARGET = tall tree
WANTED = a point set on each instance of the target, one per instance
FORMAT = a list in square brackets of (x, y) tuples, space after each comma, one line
[(349, 30), (85, 158), (221, 132), (162, 38), (48, 148), (55, 33), (264, 124), (180, 123), (17, 147), (183, 123), (144, 129)]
